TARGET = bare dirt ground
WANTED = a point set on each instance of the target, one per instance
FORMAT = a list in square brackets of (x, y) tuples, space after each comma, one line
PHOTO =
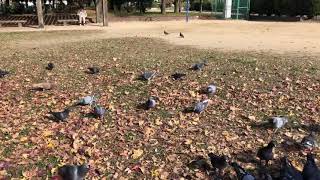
[(279, 37)]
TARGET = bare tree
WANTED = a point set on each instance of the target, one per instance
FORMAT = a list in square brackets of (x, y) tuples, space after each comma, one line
[(201, 2), (163, 6)]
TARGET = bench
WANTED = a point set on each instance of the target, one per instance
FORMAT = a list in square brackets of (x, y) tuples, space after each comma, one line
[(19, 22), (66, 21)]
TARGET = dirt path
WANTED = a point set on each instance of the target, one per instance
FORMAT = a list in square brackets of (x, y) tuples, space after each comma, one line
[(280, 37)]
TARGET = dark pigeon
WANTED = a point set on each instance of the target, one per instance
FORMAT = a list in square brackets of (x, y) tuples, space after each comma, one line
[(61, 116), (242, 174), (310, 169), (99, 111), (93, 70), (165, 32), (3, 73), (148, 76), (218, 162), (150, 103), (181, 35), (50, 66), (199, 163), (72, 172), (309, 142), (199, 66), (266, 153), (201, 106), (178, 76), (288, 172)]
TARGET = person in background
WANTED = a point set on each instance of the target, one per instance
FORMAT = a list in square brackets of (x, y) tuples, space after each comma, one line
[(82, 16)]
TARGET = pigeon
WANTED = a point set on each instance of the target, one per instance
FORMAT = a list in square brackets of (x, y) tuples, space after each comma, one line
[(266, 176), (201, 106), (278, 122), (310, 170), (148, 75), (181, 35), (3, 73), (266, 153), (200, 163), (309, 142), (72, 172), (88, 100), (199, 66), (242, 174), (211, 89), (150, 103), (218, 162), (93, 70), (99, 111), (50, 66), (43, 86), (61, 116), (288, 172), (165, 32), (178, 76)]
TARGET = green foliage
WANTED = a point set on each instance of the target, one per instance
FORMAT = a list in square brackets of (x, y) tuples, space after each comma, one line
[(129, 6), (195, 5)]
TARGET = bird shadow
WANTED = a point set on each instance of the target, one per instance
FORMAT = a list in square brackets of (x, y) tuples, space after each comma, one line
[(262, 125), (246, 157), (53, 119), (89, 72), (290, 145), (89, 115), (188, 110), (142, 106)]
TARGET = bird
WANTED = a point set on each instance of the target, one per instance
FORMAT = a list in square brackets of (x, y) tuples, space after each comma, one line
[(242, 174), (200, 163), (309, 141), (73, 172), (199, 66), (201, 106), (165, 32), (99, 111), (88, 100), (310, 170), (218, 162), (50, 66), (178, 76), (266, 152), (148, 76), (278, 122), (43, 86), (211, 89), (3, 73), (266, 176), (181, 35), (150, 103), (93, 70), (288, 171), (61, 116)]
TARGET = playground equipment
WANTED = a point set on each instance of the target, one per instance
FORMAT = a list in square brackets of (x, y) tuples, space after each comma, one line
[(235, 9)]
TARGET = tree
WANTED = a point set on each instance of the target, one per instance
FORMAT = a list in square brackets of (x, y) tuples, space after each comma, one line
[(176, 6), (163, 6), (201, 2)]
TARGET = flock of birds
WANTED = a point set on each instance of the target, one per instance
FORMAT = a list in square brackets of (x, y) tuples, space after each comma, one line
[(218, 162)]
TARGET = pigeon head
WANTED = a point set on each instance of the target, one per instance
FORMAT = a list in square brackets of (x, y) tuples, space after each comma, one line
[(272, 144), (83, 170)]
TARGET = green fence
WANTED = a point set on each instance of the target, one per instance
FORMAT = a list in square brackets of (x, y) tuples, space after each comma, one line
[(240, 8)]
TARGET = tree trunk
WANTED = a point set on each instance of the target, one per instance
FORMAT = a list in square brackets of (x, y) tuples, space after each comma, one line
[(176, 6), (201, 2), (40, 14), (26, 1), (179, 6), (99, 13), (163, 6), (105, 12)]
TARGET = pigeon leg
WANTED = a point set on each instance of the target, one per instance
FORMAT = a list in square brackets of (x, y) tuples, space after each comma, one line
[(267, 163)]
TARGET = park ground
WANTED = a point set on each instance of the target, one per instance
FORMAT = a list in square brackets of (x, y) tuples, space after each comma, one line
[(261, 69)]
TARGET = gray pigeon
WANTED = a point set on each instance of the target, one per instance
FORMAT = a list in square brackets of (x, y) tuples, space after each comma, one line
[(3, 73), (61, 116), (242, 174), (199, 66), (310, 169), (88, 100), (211, 89), (278, 122), (309, 142), (201, 106), (148, 75), (99, 111), (93, 70), (72, 172), (151, 103)]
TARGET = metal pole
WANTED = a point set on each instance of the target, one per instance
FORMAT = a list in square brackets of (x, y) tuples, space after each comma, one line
[(187, 14)]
